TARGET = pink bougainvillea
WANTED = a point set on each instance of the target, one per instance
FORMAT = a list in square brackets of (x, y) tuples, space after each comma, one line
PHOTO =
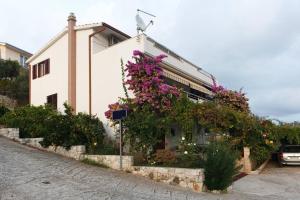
[(231, 98), (113, 107), (145, 79)]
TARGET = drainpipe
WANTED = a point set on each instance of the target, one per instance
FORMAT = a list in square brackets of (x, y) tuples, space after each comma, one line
[(72, 61), (102, 28), (29, 77)]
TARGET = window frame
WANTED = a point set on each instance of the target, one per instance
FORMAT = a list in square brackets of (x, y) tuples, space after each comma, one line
[(42, 68), (34, 71), (52, 100)]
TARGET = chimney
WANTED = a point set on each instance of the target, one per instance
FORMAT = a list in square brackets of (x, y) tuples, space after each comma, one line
[(72, 61)]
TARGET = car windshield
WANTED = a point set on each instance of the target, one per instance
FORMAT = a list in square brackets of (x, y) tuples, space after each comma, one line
[(291, 149)]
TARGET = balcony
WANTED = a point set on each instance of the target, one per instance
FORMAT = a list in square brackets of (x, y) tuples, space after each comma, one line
[(196, 98), (177, 63)]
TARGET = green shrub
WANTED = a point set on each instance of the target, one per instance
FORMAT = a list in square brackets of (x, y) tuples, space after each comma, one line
[(9, 69), (259, 154), (69, 129), (14, 81), (90, 130), (3, 110), (108, 147), (164, 157), (189, 161), (220, 166), (32, 121)]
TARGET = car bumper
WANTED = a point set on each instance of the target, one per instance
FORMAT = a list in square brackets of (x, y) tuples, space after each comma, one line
[(285, 162)]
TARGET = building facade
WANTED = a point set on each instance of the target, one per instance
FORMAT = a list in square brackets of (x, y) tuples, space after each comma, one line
[(82, 66), (10, 52)]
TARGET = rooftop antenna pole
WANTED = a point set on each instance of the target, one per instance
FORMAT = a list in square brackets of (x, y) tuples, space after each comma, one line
[(146, 13), (141, 26)]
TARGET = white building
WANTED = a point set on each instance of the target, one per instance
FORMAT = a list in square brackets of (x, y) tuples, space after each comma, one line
[(81, 66), (10, 52)]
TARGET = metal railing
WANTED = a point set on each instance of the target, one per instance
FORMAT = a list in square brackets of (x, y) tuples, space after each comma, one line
[(195, 98)]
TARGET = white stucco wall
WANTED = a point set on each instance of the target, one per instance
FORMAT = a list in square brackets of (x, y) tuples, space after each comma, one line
[(99, 43), (2, 52), (107, 78), (12, 55), (8, 54), (57, 80), (82, 72)]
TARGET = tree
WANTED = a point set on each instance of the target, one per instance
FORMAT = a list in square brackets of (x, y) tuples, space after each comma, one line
[(9, 69), (14, 81)]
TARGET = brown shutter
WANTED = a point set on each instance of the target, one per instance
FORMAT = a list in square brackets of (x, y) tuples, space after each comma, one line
[(34, 68), (47, 66), (52, 100), (39, 70), (55, 101)]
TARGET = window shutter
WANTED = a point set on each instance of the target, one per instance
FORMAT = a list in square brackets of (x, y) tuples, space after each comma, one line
[(39, 70), (55, 101), (52, 100), (47, 66), (34, 72)]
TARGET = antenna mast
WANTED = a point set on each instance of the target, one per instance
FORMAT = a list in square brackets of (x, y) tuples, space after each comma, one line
[(141, 26)]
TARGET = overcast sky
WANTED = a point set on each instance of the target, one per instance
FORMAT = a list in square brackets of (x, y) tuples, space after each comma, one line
[(249, 44)]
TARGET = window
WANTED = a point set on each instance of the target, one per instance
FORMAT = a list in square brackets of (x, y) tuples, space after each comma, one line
[(113, 40), (41, 69), (52, 100), (34, 71), (23, 61)]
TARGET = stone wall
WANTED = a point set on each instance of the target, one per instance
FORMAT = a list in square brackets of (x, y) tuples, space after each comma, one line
[(188, 178), (34, 142), (112, 161), (12, 133), (75, 152)]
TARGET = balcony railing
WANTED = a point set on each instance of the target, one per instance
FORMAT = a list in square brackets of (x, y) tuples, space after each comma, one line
[(195, 98)]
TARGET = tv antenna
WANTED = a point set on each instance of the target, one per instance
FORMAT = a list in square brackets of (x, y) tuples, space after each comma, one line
[(141, 26)]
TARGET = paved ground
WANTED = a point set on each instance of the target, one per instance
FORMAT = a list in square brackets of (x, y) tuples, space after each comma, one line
[(29, 174), (274, 183)]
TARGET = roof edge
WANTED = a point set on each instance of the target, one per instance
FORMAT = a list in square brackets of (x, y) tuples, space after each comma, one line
[(15, 48), (50, 43), (77, 28)]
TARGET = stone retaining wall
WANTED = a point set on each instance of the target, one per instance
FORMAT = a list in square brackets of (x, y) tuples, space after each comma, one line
[(12, 133), (188, 178), (184, 177), (112, 161), (34, 142), (75, 152)]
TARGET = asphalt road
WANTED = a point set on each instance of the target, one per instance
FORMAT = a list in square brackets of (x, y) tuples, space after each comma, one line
[(30, 174)]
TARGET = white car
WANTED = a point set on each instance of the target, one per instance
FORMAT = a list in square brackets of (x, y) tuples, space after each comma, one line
[(289, 155)]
